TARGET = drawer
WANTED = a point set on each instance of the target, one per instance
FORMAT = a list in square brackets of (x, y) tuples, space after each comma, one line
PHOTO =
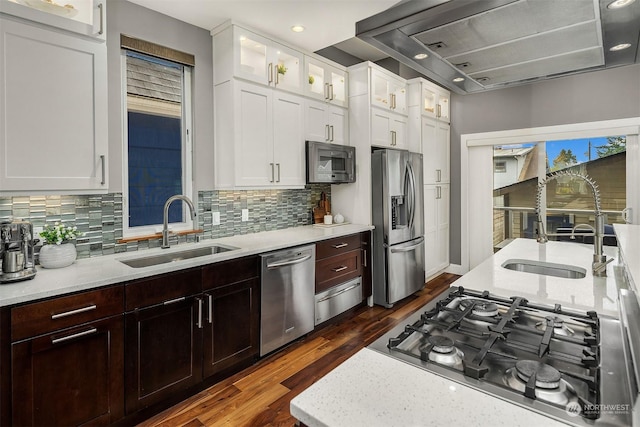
[(59, 313), (339, 245), (227, 272), (337, 269), (337, 300), (162, 288)]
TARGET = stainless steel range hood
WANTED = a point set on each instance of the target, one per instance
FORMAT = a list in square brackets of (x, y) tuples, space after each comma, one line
[(489, 44)]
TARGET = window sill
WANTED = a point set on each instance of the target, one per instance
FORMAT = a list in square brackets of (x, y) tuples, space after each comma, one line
[(158, 236)]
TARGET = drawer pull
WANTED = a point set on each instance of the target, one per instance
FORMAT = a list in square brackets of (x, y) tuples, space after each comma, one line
[(172, 301), (72, 312), (341, 268), (340, 245), (73, 336), (328, 297)]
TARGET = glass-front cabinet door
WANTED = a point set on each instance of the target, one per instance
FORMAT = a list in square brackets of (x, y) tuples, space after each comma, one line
[(266, 62), (86, 17), (325, 82), (388, 92)]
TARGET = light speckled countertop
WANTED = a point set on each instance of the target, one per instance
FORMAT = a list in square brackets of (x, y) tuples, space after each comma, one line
[(372, 389), (92, 273)]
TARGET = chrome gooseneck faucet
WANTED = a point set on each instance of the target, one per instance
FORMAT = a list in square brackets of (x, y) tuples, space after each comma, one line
[(599, 258), (165, 220)]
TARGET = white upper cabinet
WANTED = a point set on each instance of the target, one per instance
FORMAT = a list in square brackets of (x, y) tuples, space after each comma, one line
[(388, 91), (388, 130), (53, 110), (85, 17), (432, 100), (325, 82), (244, 54), (326, 123), (259, 135), (436, 149)]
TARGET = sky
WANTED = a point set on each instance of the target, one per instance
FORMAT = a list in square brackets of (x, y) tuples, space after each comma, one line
[(578, 147)]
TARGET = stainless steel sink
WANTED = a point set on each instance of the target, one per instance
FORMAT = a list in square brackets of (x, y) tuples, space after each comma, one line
[(545, 268), (176, 256)]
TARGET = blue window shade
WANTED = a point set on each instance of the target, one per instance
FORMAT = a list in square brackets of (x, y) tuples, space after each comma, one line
[(155, 168)]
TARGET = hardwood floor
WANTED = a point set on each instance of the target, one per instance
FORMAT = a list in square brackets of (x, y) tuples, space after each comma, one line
[(260, 394)]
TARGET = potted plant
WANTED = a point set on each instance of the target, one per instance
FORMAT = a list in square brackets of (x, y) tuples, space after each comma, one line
[(57, 250), (281, 69)]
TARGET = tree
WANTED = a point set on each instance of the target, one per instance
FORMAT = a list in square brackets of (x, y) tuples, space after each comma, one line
[(563, 159), (614, 145)]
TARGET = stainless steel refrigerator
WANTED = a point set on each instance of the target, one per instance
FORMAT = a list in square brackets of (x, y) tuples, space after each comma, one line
[(398, 216)]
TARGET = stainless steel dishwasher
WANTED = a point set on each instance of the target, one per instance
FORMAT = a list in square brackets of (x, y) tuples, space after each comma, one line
[(288, 296)]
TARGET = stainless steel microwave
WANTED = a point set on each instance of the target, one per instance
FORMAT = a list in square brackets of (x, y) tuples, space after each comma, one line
[(330, 163)]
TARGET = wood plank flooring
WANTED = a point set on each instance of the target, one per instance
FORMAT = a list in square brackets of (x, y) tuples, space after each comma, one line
[(260, 394)]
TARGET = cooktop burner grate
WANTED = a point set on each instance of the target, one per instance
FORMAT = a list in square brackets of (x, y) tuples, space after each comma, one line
[(545, 353)]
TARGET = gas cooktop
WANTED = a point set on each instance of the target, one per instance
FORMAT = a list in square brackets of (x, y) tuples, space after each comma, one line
[(565, 364)]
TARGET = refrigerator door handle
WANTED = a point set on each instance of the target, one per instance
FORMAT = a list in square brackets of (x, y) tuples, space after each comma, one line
[(419, 242), (412, 197)]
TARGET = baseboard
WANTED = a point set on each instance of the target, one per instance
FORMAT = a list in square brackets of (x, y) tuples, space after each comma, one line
[(455, 269)]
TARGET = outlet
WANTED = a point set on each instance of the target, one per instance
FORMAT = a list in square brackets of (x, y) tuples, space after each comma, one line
[(215, 218), (245, 215)]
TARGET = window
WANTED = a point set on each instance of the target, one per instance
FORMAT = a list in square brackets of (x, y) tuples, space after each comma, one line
[(567, 200), (157, 150)]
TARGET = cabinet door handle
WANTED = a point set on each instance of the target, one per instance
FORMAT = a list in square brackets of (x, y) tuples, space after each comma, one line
[(272, 173), (439, 110), (341, 268), (270, 72), (278, 166), (73, 336), (331, 92), (104, 171), (209, 308), (173, 301), (326, 132), (439, 174), (340, 245), (101, 27), (72, 312), (277, 75), (326, 91), (364, 257), (199, 321), (331, 132), (393, 138), (438, 192)]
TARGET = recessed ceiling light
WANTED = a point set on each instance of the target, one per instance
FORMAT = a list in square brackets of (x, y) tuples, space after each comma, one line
[(297, 28), (458, 79), (420, 56), (620, 46), (617, 4)]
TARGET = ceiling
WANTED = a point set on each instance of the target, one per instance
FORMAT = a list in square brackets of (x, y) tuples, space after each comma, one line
[(326, 22), (482, 44)]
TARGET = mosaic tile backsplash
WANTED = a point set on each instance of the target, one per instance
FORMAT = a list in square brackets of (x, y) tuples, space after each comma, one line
[(99, 217)]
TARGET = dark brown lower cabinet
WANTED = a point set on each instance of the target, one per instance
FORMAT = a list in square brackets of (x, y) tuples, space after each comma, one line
[(367, 250), (231, 334), (163, 351), (70, 377)]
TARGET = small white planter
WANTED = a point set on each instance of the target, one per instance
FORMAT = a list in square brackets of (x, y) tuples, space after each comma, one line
[(58, 256)]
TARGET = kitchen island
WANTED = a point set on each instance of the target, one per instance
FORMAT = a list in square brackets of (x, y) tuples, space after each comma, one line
[(374, 389)]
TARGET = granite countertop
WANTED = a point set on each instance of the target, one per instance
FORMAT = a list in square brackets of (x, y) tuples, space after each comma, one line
[(91, 273), (373, 389), (588, 293)]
